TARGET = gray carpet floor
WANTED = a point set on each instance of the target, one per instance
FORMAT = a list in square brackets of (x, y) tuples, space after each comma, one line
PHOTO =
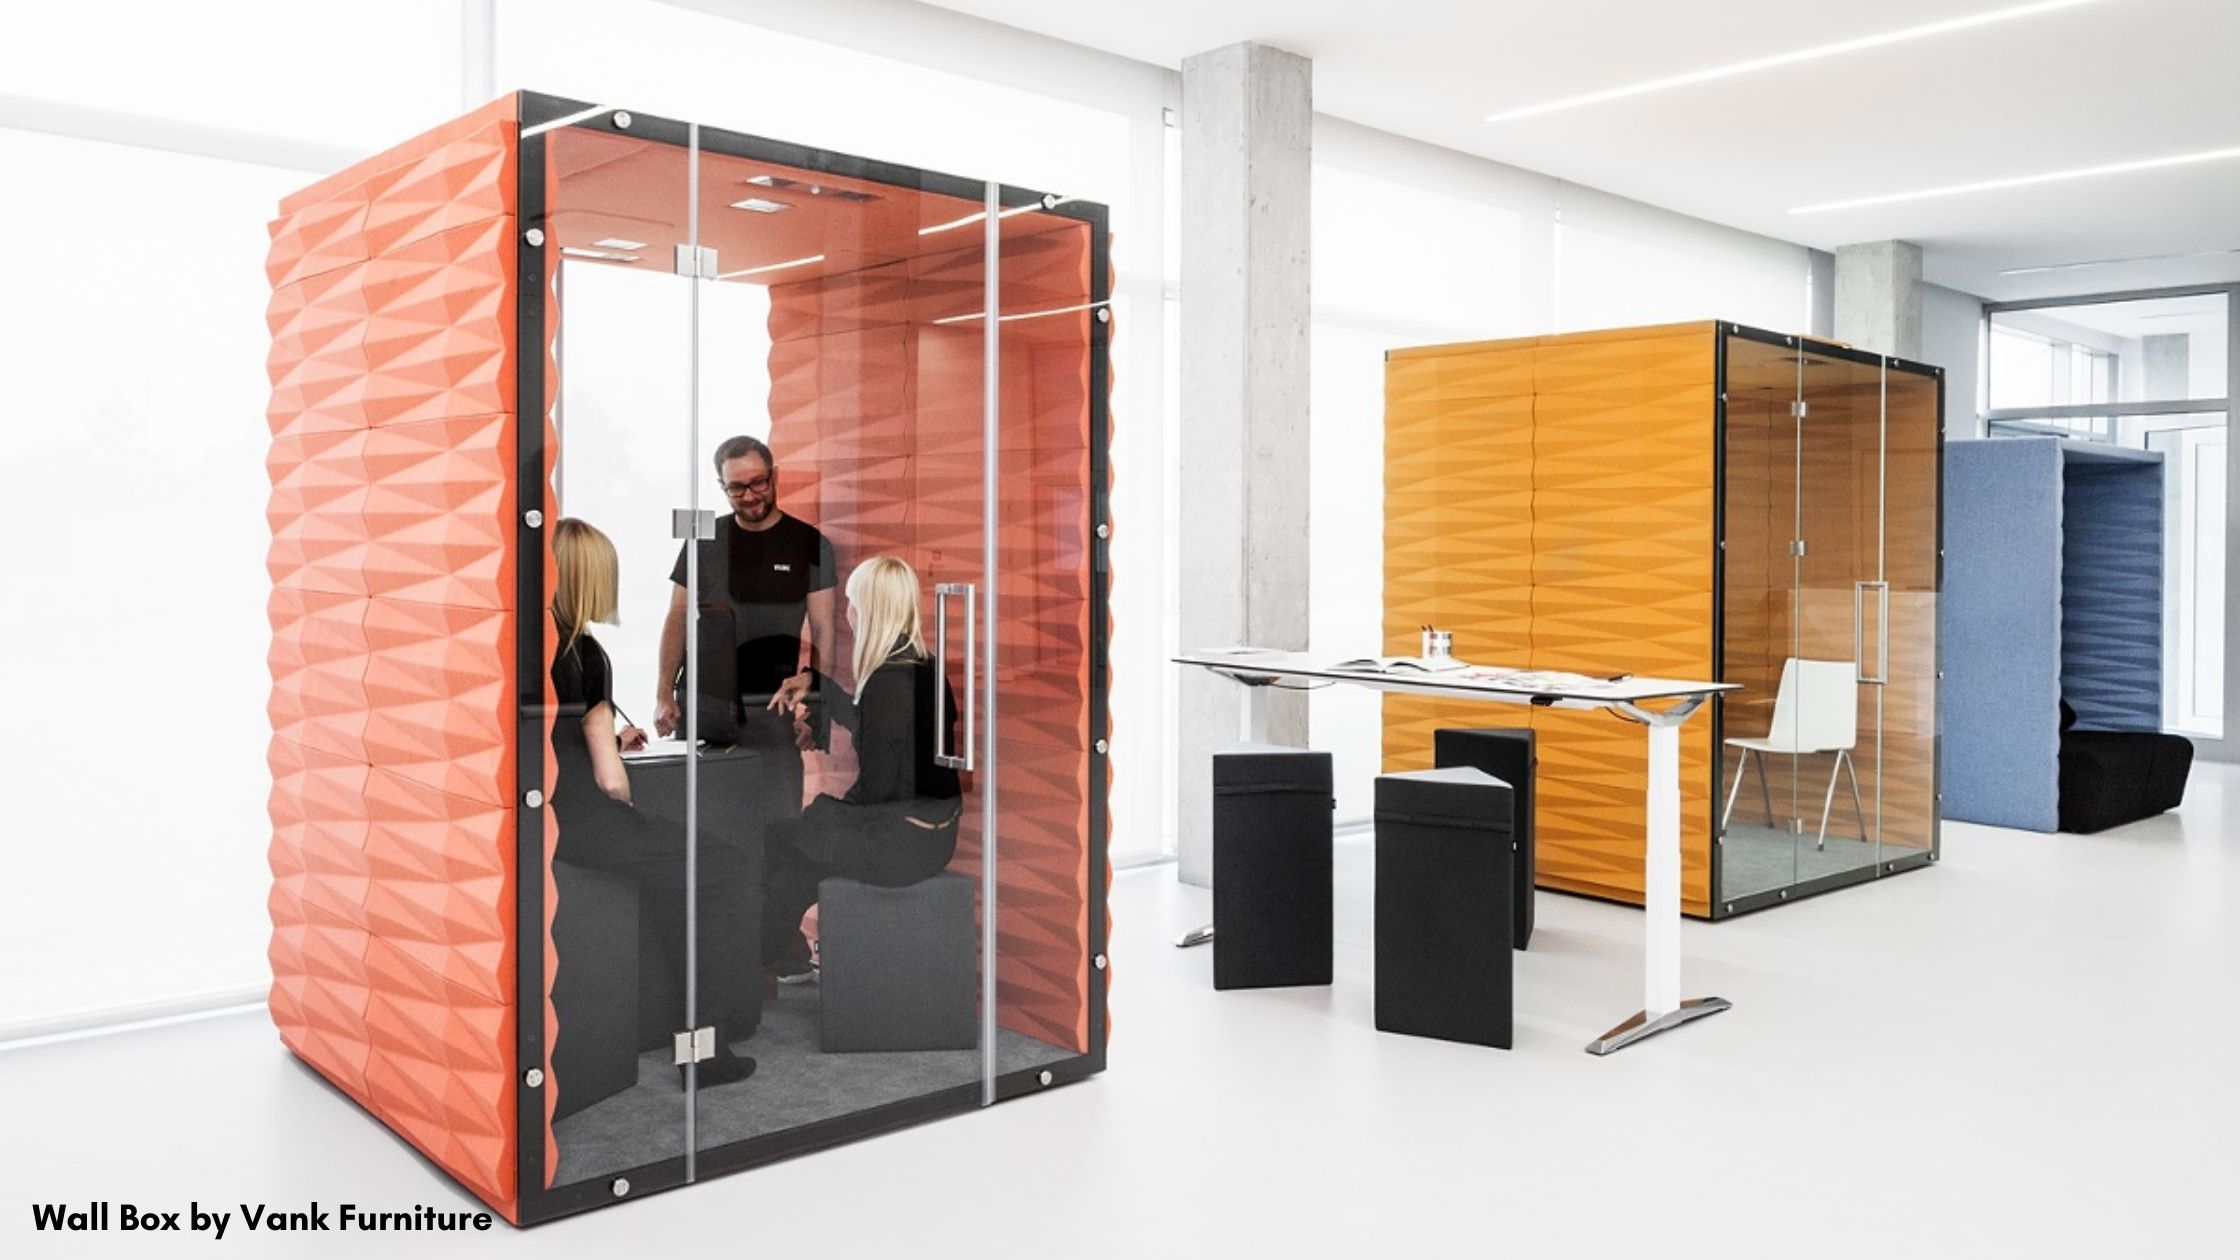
[(794, 1084), (1759, 859)]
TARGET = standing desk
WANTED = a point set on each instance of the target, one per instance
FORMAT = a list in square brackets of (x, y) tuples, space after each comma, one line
[(1662, 1007)]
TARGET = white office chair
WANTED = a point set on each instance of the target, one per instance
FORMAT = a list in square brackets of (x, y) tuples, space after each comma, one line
[(1816, 711)]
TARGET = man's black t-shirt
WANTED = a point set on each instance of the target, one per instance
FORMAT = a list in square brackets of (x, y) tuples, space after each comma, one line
[(766, 576)]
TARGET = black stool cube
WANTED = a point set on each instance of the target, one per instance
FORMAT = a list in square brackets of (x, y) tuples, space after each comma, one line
[(896, 965), (1272, 812), (594, 985), (1506, 753), (1443, 902)]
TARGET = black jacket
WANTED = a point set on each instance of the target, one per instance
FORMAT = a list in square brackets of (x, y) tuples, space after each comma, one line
[(893, 725)]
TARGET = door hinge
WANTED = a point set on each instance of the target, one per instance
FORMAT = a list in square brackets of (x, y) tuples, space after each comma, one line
[(698, 261), (1796, 546), (1797, 408), (685, 523), (695, 1046)]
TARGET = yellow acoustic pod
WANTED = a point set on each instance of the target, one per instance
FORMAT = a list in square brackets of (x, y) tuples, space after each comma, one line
[(1558, 503)]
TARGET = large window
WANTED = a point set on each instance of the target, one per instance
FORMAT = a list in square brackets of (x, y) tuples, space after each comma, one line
[(135, 303), (1414, 247), (2149, 373)]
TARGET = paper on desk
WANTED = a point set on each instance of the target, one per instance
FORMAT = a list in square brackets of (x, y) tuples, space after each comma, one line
[(658, 748)]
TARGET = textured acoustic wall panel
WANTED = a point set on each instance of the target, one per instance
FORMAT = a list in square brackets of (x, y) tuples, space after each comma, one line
[(392, 413), (877, 417), (2111, 593), (1551, 500)]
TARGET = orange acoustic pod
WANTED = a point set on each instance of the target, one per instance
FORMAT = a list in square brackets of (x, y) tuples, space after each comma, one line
[(523, 316)]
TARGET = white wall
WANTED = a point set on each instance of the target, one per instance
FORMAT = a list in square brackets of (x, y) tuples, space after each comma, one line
[(1416, 245), (1952, 338)]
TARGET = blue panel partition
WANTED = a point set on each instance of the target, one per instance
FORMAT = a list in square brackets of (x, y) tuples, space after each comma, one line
[(2111, 588), (1999, 625)]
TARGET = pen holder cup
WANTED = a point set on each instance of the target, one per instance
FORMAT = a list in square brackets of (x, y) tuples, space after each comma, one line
[(1438, 643)]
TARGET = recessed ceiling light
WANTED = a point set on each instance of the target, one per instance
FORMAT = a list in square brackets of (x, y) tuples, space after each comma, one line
[(616, 242), (1789, 58), (777, 266), (760, 206), (2110, 262), (598, 255), (2024, 181)]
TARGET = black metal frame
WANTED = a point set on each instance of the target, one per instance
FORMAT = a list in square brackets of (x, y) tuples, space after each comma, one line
[(537, 1203), (1721, 906)]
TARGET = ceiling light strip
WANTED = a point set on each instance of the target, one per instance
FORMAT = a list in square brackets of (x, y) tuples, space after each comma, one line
[(2025, 181), (1789, 58), (776, 266), (969, 316), (971, 219)]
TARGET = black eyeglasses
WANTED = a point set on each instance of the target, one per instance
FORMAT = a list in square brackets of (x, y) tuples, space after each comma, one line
[(758, 485)]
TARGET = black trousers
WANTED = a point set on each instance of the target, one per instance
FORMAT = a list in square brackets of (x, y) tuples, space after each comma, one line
[(872, 843), (615, 837)]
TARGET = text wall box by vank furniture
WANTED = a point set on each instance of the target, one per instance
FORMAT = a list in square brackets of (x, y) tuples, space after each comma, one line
[(548, 310), (2053, 684), (1699, 501)]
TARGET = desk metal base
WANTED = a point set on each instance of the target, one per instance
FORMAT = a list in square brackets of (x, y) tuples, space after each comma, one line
[(1641, 1027)]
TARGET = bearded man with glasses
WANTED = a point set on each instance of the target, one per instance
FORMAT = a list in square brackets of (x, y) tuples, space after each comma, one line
[(775, 574)]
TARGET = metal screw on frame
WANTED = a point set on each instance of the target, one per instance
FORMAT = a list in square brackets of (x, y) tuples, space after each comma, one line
[(1103, 747), (621, 1186), (1046, 1078), (534, 799), (535, 237), (534, 1079), (622, 121), (1098, 961), (533, 519)]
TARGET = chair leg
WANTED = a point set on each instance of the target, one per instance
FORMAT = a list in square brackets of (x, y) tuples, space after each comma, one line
[(1734, 791), (1851, 771), (1765, 789), (1828, 802)]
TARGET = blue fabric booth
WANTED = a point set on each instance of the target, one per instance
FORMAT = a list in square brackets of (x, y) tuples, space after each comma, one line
[(2052, 593)]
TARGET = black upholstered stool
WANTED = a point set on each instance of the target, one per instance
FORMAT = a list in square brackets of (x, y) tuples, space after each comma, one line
[(1506, 753), (1271, 867), (594, 985), (896, 965), (1443, 900)]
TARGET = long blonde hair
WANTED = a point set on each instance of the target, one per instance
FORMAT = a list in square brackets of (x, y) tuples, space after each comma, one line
[(589, 578), (884, 590)]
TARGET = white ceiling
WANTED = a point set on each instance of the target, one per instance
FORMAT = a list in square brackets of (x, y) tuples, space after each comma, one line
[(2105, 82)]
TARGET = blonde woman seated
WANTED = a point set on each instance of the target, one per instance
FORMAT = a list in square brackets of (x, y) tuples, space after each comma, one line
[(601, 829), (897, 824)]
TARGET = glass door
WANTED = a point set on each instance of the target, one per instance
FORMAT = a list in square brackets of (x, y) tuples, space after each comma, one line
[(839, 630)]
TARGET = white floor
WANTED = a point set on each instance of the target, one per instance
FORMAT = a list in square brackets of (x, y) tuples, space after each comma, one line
[(2028, 1050)]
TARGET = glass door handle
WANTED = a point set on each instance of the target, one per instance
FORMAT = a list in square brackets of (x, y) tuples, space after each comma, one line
[(1881, 674), (941, 595)]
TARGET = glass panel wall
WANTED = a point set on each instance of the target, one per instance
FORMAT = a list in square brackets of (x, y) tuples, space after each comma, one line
[(1758, 777), (619, 385), (1831, 482)]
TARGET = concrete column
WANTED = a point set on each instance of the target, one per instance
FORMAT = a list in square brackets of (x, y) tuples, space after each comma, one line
[(2168, 361), (1878, 297), (1247, 138)]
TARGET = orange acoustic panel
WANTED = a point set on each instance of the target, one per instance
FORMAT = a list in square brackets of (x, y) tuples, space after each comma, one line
[(877, 415), (392, 660), (1552, 501)]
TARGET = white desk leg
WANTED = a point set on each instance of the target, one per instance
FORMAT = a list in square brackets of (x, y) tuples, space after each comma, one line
[(1661, 1004), (1255, 719)]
